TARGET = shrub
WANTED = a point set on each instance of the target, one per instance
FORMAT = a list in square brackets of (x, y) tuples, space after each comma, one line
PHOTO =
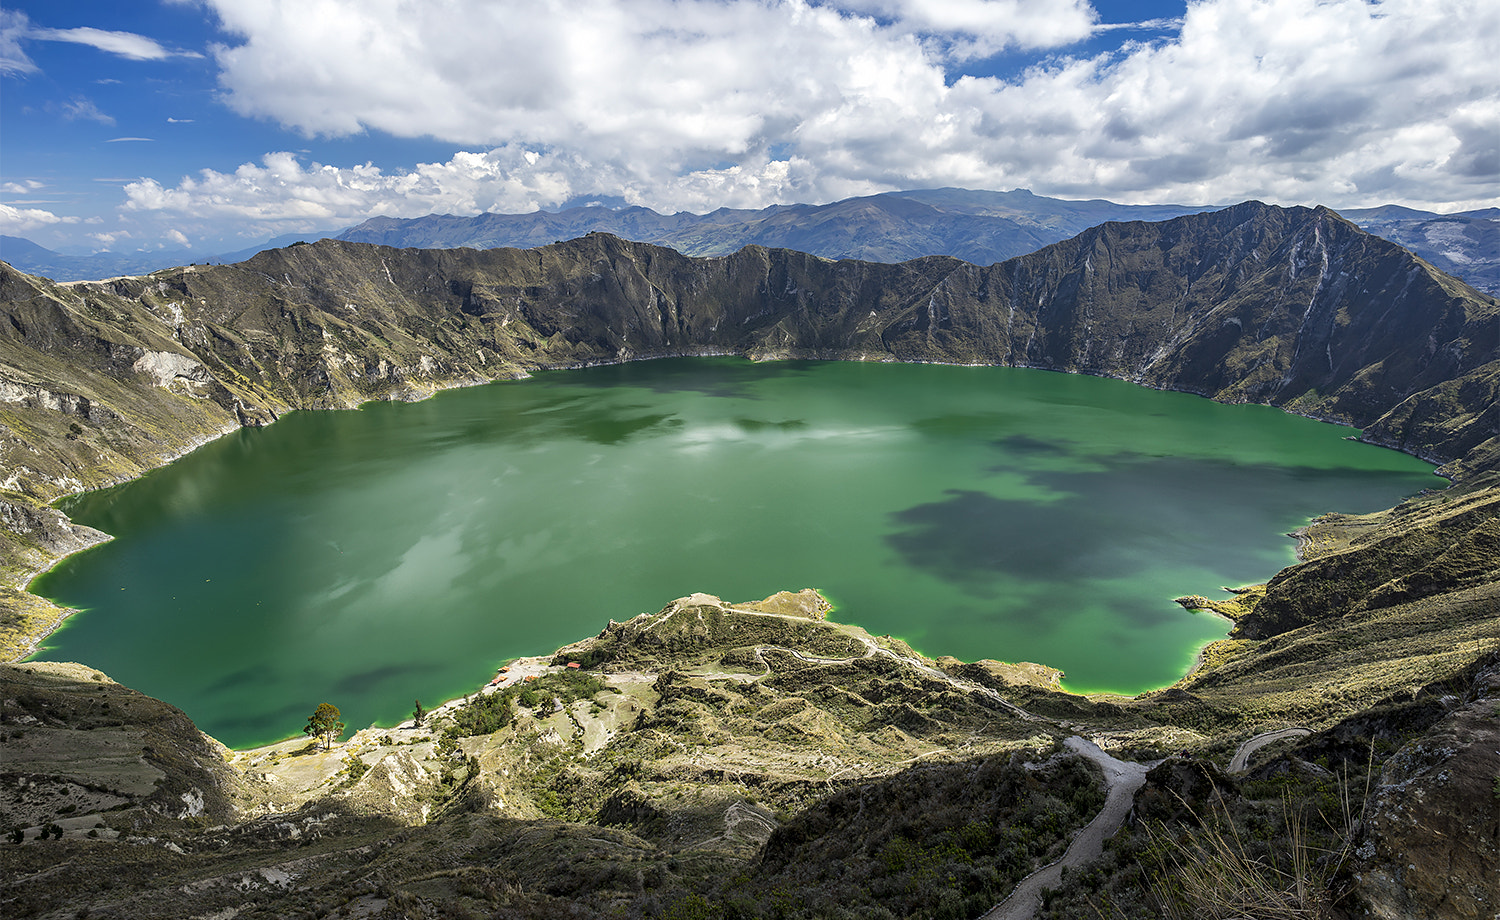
[(354, 768)]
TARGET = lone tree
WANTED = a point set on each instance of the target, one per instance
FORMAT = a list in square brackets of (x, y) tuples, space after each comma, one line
[(325, 724)]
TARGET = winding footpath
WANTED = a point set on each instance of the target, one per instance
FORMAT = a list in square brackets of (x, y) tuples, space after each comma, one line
[(1241, 760), (1123, 777)]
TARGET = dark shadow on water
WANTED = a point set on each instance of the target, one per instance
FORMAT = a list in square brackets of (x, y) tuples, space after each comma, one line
[(972, 537), (967, 426), (365, 681), (1027, 446), (260, 674), (611, 430), (283, 723), (544, 418), (1141, 613), (1136, 512), (754, 425)]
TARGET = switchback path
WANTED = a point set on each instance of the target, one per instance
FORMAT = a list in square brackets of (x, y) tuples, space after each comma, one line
[(1123, 777), (875, 650)]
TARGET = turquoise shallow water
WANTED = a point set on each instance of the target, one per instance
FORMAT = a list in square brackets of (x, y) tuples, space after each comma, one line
[(403, 551)]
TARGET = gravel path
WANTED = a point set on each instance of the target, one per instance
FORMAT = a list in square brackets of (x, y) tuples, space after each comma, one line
[(1124, 778), (1241, 760)]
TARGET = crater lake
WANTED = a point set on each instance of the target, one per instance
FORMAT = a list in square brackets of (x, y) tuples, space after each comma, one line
[(398, 552)]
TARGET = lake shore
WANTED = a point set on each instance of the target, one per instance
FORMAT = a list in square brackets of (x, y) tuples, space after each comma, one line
[(1166, 680)]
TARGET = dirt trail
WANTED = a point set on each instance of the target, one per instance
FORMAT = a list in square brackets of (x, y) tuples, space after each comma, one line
[(1241, 760), (1123, 778)]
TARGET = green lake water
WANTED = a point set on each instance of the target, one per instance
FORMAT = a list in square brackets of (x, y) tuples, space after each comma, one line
[(404, 551)]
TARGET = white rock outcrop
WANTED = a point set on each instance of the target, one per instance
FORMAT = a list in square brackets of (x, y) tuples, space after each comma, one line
[(167, 366)]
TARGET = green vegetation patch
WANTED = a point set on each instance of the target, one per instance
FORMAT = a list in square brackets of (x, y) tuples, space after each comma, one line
[(942, 841), (488, 713)]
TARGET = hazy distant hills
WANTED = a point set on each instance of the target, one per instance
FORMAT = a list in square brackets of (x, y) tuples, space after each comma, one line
[(1465, 245), (976, 226), (982, 227), (39, 260)]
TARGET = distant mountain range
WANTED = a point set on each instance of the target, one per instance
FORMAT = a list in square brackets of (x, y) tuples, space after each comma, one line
[(1465, 245), (38, 260), (976, 226), (982, 227)]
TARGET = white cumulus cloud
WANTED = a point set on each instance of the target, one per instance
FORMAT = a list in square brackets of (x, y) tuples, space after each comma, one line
[(977, 27), (19, 220), (108, 240), (694, 104)]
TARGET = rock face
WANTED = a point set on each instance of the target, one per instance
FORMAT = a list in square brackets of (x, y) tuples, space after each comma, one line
[(48, 528), (86, 754), (1433, 846)]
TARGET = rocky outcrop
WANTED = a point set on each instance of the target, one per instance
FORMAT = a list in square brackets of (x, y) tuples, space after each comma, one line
[(1428, 546), (1432, 849), (93, 758), (167, 367), (49, 529)]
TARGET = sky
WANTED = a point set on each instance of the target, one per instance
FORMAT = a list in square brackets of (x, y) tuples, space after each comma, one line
[(211, 125)]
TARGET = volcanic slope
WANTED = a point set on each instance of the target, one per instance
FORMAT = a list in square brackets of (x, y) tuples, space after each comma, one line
[(1389, 616)]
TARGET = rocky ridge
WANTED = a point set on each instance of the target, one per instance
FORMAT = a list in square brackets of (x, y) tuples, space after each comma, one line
[(977, 226)]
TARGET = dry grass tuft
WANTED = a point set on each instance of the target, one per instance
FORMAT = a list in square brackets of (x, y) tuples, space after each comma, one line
[(1210, 873)]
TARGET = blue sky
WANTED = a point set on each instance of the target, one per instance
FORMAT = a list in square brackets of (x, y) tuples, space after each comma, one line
[(214, 124)]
